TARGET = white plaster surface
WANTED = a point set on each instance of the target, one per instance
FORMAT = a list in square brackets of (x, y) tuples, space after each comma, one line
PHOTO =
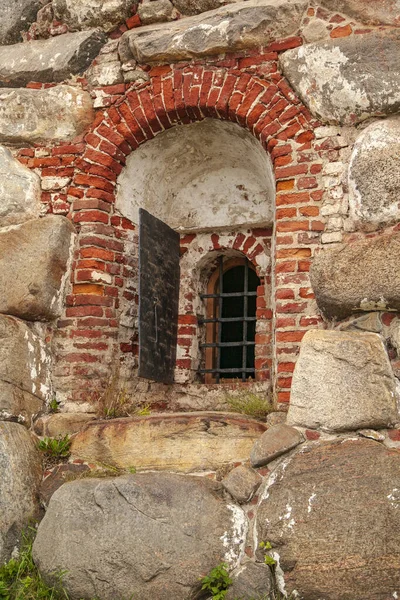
[(199, 177)]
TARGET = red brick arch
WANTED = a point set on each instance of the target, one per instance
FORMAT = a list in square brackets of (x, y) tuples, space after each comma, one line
[(270, 110)]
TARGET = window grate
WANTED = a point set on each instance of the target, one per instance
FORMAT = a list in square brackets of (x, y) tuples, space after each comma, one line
[(218, 344)]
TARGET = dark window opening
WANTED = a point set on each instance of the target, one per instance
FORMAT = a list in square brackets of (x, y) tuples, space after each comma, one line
[(230, 321)]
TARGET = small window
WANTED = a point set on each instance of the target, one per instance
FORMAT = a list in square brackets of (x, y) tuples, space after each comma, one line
[(230, 321)]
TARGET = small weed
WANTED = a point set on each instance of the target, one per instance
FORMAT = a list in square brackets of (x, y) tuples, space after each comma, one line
[(55, 447), (268, 559), (53, 406), (115, 402), (20, 579), (217, 582), (249, 403)]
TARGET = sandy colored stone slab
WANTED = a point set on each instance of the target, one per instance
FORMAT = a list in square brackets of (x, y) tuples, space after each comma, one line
[(151, 534), (38, 252), (20, 192), (20, 476), (277, 440), (332, 515), (342, 381), (374, 176), (183, 442), (361, 276), (52, 60), (226, 29), (34, 116), (342, 80)]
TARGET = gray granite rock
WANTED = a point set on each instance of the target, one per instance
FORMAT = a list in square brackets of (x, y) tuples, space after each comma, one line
[(374, 176), (38, 251), (24, 371), (106, 14), (342, 80), (277, 440), (52, 60), (242, 483), (342, 381), (155, 534), (227, 29), (251, 581), (15, 17), (20, 476), (36, 116), (20, 193), (361, 276), (156, 11), (332, 515)]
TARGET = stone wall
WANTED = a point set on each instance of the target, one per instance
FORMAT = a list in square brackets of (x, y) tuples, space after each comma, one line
[(128, 77)]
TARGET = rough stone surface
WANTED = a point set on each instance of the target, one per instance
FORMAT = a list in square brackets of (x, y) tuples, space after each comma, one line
[(155, 534), (106, 14), (38, 251), (17, 404), (362, 276), (242, 483), (193, 177), (107, 73), (59, 475), (54, 114), (20, 192), (15, 17), (276, 418), (60, 424), (178, 442), (371, 434), (277, 440), (367, 322), (374, 175), (156, 11), (332, 516), (229, 28), (52, 60), (20, 475), (342, 80), (24, 371), (195, 7), (342, 381), (251, 581), (371, 12)]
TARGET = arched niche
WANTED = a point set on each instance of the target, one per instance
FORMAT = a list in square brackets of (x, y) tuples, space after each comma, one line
[(204, 176)]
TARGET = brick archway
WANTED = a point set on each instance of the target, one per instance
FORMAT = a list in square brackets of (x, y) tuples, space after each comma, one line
[(102, 274)]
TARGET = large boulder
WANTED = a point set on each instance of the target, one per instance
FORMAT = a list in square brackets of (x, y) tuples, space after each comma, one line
[(20, 476), (361, 276), (342, 381), (24, 371), (30, 116), (20, 191), (106, 14), (38, 252), (371, 12), (16, 17), (177, 442), (332, 515), (52, 60), (226, 29), (153, 535), (342, 80), (374, 175)]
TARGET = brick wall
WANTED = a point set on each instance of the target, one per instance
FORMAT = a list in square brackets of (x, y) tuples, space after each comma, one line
[(98, 326)]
